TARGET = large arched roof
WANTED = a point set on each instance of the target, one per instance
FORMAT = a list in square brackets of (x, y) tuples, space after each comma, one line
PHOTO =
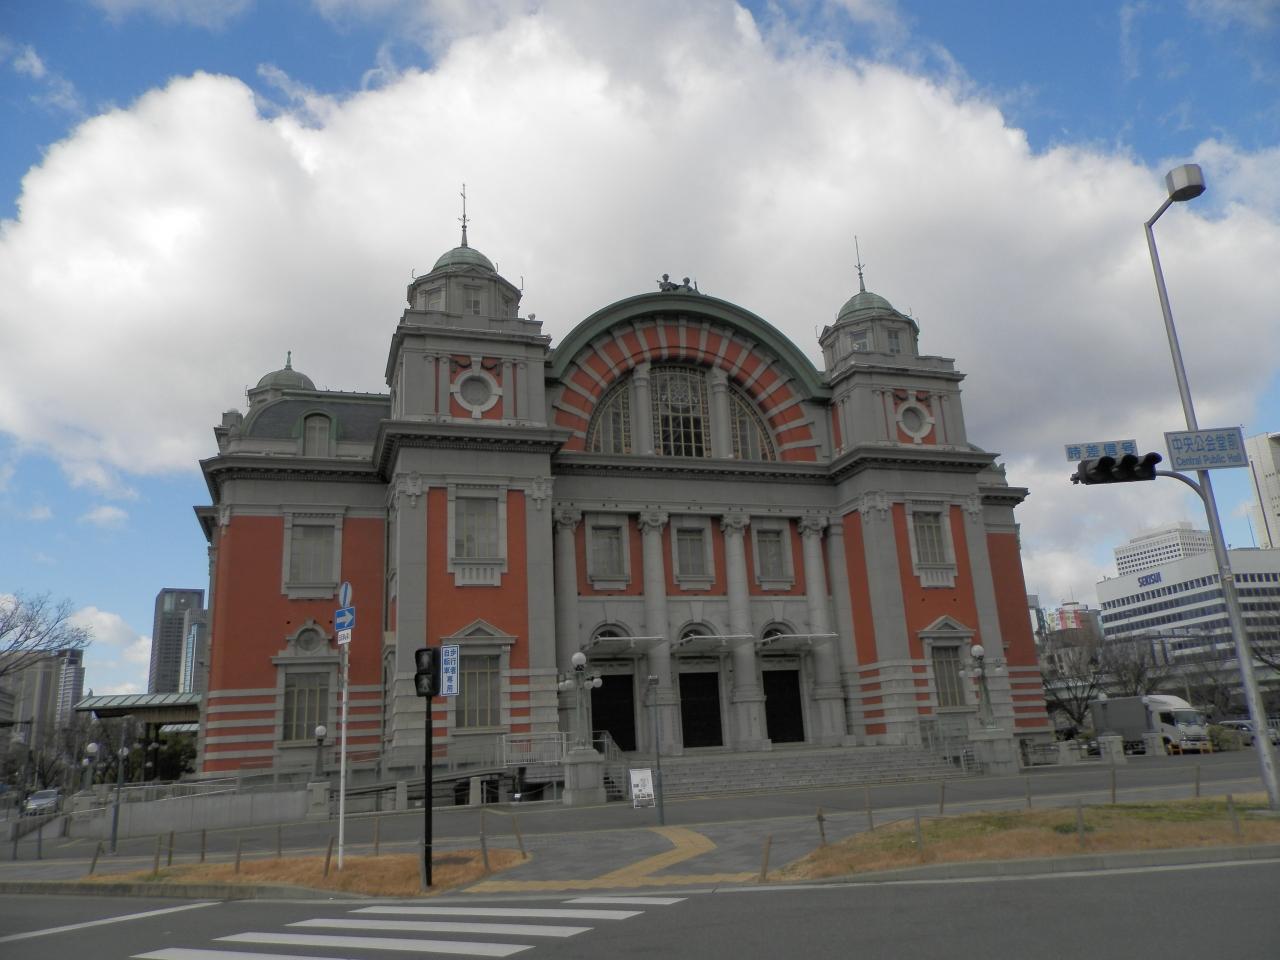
[(731, 315)]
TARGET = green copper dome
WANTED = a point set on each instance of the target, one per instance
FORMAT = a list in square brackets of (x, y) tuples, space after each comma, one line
[(463, 256), (866, 304), (286, 378)]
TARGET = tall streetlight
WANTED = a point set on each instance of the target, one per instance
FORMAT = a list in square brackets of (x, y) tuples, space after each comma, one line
[(90, 761), (985, 714), (1186, 183), (580, 682)]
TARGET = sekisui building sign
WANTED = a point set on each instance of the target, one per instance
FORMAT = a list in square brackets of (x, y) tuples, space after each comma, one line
[(1206, 449)]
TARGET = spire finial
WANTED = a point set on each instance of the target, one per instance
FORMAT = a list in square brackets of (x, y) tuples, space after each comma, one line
[(288, 360), (463, 218), (862, 287)]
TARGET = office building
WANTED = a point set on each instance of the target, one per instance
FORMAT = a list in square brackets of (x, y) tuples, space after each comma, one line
[(1152, 548), (167, 637), (1264, 472)]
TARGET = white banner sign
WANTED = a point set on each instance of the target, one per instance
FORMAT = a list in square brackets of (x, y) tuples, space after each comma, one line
[(642, 788)]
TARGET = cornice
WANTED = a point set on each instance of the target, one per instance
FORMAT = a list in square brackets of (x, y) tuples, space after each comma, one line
[(245, 466), (394, 435), (580, 464), (909, 457)]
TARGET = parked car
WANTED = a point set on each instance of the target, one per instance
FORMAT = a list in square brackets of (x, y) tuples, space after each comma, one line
[(42, 801), (1245, 729)]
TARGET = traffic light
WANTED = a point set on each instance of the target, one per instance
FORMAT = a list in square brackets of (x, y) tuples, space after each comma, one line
[(427, 679), (1127, 469)]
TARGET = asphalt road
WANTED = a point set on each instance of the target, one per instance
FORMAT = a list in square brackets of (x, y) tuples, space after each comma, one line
[(1224, 910)]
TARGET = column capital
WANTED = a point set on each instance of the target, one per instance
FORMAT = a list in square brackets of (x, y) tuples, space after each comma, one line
[(812, 525), (640, 372), (719, 378), (735, 522), (652, 521), (567, 517), (877, 503)]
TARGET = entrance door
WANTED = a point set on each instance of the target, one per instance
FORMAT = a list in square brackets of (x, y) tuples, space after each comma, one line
[(700, 709), (613, 708), (782, 711)]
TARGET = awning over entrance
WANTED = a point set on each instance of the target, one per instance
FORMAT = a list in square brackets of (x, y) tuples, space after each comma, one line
[(792, 642), (620, 646), (708, 643)]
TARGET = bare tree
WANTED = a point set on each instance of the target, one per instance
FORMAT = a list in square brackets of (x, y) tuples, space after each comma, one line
[(1131, 667), (1070, 672), (33, 626)]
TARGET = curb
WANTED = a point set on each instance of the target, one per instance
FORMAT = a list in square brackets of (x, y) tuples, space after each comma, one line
[(1084, 863), (188, 891)]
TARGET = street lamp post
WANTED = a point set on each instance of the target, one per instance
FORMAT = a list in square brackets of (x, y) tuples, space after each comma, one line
[(580, 682), (121, 756), (321, 730), (1185, 183), (90, 761), (657, 753), (979, 655)]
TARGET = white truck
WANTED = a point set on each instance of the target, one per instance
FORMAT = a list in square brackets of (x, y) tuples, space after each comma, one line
[(1182, 729)]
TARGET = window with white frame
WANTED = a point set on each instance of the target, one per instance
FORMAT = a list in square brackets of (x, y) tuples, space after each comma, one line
[(947, 676), (477, 534), (312, 548), (472, 295), (932, 557), (607, 560), (306, 704), (479, 700), (749, 434), (315, 436), (475, 528), (691, 546), (772, 552), (681, 415)]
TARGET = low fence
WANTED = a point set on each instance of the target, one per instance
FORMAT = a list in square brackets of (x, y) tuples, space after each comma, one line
[(204, 811)]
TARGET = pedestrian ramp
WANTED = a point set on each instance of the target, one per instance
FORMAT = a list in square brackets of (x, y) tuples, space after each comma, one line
[(436, 930)]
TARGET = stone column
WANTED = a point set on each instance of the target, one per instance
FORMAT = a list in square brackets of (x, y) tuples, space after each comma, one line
[(721, 440), (828, 695), (443, 382), (566, 599), (670, 738), (642, 411), (845, 646), (508, 391), (409, 514), (748, 731)]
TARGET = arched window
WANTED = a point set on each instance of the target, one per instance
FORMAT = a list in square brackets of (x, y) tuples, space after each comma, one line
[(681, 421), (750, 436), (611, 428), (315, 436)]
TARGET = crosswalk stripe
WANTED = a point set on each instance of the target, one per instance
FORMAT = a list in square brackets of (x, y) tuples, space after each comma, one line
[(446, 926), (405, 944), (637, 901), (529, 913), (192, 953)]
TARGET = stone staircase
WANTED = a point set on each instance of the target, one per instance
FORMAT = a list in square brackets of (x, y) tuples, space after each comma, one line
[(713, 772)]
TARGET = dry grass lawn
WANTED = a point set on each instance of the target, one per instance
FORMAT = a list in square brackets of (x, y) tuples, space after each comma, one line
[(1031, 834), (392, 875)]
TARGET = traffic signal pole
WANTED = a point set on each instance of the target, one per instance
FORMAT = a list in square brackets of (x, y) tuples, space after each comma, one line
[(426, 799)]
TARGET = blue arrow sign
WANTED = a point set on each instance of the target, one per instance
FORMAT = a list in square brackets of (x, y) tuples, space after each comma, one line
[(344, 618)]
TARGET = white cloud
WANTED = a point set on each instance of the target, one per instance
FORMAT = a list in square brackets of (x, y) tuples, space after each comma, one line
[(28, 63), (601, 149), (53, 89), (111, 635), (1253, 14), (210, 14), (105, 515), (120, 689), (119, 656)]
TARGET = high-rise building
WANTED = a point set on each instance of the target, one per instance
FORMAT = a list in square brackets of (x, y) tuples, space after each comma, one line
[(195, 634), (45, 690), (1264, 469), (167, 637), (1151, 548), (1073, 615), (1183, 598), (791, 554)]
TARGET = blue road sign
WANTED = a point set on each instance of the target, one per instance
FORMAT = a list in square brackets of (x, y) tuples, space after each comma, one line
[(1100, 448), (1206, 449), (344, 618), (449, 675), (344, 594)]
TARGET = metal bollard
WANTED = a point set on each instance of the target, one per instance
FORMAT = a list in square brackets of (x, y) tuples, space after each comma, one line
[(764, 864)]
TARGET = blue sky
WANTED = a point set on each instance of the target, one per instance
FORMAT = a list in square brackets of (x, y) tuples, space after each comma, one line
[(193, 187)]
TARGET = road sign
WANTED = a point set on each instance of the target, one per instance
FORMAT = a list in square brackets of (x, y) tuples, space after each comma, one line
[(344, 618), (449, 674), (1100, 448), (1206, 449), (344, 637), (344, 594)]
